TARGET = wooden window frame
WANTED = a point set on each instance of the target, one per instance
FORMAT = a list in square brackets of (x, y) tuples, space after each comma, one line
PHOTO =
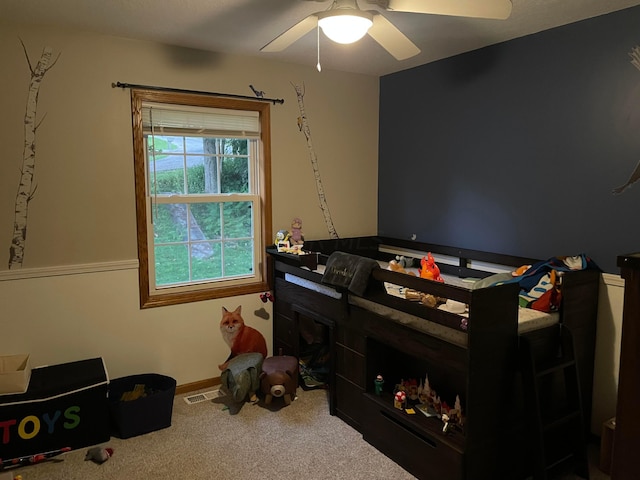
[(155, 299)]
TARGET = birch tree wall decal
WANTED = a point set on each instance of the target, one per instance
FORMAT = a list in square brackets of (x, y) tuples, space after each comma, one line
[(303, 126), (635, 175), (26, 190)]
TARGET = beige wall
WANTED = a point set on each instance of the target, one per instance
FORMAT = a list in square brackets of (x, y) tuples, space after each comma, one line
[(76, 295)]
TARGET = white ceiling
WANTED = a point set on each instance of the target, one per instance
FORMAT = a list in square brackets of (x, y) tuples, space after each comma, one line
[(244, 26)]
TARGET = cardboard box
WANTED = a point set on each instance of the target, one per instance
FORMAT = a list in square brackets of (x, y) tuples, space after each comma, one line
[(15, 373)]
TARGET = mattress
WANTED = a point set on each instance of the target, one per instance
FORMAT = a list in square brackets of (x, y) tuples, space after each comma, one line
[(528, 320)]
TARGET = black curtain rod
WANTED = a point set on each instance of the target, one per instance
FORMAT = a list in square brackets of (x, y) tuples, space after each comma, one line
[(168, 89)]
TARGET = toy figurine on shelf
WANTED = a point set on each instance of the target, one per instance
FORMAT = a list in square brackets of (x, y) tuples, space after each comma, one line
[(296, 232), (445, 420), (411, 387), (451, 421), (282, 242), (379, 382), (400, 399)]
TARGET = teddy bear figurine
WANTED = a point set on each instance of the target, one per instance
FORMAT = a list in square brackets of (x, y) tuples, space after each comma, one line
[(297, 238)]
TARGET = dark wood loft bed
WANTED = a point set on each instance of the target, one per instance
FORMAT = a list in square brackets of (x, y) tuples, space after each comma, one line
[(484, 371)]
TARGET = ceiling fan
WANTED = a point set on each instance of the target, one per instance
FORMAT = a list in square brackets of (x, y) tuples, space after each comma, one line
[(344, 22)]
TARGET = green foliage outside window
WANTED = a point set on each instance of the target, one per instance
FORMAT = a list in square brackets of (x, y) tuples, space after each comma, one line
[(231, 237)]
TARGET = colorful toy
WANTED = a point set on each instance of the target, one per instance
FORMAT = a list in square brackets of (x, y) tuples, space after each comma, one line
[(282, 242), (429, 269), (400, 399)]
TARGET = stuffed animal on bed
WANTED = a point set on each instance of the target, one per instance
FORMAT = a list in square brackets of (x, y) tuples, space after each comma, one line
[(429, 269), (396, 266)]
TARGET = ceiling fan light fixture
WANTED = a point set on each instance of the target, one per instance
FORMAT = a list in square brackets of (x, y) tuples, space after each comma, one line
[(347, 26)]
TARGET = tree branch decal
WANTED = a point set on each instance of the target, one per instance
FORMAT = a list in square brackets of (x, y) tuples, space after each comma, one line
[(26, 189), (303, 126), (635, 176)]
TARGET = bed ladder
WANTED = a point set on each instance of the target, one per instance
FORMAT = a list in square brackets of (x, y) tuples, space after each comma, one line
[(553, 406)]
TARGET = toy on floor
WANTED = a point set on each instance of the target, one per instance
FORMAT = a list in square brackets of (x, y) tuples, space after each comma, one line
[(279, 378), (99, 455), (241, 378), (31, 459)]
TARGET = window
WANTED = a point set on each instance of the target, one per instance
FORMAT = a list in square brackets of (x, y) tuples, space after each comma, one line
[(203, 200)]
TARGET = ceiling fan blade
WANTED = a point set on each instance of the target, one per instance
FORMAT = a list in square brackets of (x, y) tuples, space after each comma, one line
[(392, 39), (296, 32), (495, 9)]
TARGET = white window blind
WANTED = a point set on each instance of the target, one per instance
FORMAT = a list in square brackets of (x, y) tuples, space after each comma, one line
[(180, 119)]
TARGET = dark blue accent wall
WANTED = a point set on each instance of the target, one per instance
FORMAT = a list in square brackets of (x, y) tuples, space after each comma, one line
[(516, 148)]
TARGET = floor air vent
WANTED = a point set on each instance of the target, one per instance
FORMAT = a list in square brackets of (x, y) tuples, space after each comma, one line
[(201, 397)]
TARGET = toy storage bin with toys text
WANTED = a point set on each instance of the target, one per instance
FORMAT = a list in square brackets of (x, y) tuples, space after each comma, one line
[(64, 407), (140, 404)]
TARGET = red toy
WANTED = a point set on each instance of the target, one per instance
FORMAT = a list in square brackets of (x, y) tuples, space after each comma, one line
[(400, 399), (429, 269)]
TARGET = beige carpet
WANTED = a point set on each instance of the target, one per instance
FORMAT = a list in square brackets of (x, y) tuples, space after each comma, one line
[(208, 442), (205, 441)]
